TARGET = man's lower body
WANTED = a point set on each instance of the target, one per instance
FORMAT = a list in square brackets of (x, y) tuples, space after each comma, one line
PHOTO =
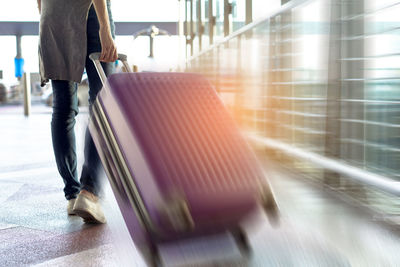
[(82, 195)]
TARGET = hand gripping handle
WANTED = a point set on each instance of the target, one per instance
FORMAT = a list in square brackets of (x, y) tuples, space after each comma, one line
[(96, 60)]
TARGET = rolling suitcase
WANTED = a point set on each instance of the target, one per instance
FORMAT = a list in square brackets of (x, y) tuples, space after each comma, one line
[(176, 162)]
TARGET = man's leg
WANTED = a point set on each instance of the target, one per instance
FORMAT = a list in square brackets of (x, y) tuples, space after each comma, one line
[(87, 205), (65, 108), (91, 170)]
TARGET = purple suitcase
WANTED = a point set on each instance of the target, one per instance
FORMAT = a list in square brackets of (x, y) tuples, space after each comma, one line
[(177, 164)]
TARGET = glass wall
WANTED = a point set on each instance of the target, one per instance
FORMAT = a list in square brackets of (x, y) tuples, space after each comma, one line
[(382, 83), (322, 77)]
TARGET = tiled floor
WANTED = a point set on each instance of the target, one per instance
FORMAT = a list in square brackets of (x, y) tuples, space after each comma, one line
[(317, 229)]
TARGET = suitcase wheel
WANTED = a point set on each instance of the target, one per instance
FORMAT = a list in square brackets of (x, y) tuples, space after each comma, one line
[(242, 242), (270, 206), (178, 213), (152, 257)]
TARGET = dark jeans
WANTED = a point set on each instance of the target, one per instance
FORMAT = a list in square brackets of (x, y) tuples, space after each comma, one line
[(65, 108)]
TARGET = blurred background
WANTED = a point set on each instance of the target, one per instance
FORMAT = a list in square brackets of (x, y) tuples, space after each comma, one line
[(313, 84)]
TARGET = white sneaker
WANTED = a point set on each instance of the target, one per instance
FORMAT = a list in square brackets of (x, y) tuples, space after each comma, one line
[(87, 206), (70, 206)]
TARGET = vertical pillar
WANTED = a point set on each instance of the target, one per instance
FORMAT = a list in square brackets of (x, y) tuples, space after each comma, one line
[(211, 21), (19, 49), (180, 22), (191, 29), (27, 94), (354, 79), (151, 46), (227, 13), (333, 94), (249, 11), (186, 28), (23, 77), (353, 86), (199, 24)]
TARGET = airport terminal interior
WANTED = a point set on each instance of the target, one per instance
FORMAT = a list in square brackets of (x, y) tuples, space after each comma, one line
[(310, 84)]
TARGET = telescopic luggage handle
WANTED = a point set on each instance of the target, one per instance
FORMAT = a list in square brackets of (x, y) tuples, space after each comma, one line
[(95, 57)]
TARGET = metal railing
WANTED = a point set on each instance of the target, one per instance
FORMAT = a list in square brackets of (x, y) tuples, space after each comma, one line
[(315, 83)]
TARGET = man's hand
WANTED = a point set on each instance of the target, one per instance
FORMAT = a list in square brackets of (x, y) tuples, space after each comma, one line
[(39, 5), (108, 48)]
